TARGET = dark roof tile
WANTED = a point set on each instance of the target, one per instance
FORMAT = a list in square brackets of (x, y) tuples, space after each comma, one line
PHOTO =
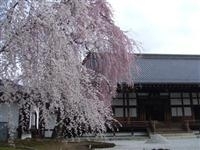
[(154, 68)]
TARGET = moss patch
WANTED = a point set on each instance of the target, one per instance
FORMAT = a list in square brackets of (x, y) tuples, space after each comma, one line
[(44, 144)]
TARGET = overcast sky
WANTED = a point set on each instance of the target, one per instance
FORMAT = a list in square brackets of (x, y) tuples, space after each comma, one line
[(161, 26)]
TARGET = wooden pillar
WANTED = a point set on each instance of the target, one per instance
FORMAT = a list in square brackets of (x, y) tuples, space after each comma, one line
[(167, 110)]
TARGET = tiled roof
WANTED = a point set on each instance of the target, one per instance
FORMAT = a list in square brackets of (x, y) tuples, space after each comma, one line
[(154, 68)]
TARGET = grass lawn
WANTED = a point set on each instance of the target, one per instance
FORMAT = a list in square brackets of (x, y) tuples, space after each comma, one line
[(7, 148), (44, 144)]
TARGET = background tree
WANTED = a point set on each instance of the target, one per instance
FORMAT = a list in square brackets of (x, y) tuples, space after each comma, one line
[(42, 46)]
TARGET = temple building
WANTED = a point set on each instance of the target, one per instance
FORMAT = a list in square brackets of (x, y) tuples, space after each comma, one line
[(165, 94)]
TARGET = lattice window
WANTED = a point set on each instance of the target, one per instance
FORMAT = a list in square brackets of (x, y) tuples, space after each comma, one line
[(176, 111)]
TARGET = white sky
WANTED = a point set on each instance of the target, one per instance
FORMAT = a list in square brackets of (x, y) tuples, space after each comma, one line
[(161, 26)]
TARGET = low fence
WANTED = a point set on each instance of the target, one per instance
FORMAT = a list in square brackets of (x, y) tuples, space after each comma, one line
[(136, 125)]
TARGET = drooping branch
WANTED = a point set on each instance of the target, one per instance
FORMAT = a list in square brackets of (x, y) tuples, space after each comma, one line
[(44, 49)]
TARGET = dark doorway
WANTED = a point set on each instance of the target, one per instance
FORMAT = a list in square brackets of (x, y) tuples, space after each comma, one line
[(154, 112), (153, 106), (197, 112)]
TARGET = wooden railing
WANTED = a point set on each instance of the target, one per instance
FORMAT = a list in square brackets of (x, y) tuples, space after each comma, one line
[(135, 124), (192, 125), (154, 126)]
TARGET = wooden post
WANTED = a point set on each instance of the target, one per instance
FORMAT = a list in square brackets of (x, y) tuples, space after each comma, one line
[(187, 126)]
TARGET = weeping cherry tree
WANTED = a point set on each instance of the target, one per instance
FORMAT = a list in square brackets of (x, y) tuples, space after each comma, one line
[(45, 46)]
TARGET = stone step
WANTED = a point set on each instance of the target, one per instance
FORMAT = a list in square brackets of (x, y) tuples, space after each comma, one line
[(179, 135), (170, 129), (175, 136)]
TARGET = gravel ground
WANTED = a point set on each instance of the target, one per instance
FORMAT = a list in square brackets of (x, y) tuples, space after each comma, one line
[(172, 144)]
